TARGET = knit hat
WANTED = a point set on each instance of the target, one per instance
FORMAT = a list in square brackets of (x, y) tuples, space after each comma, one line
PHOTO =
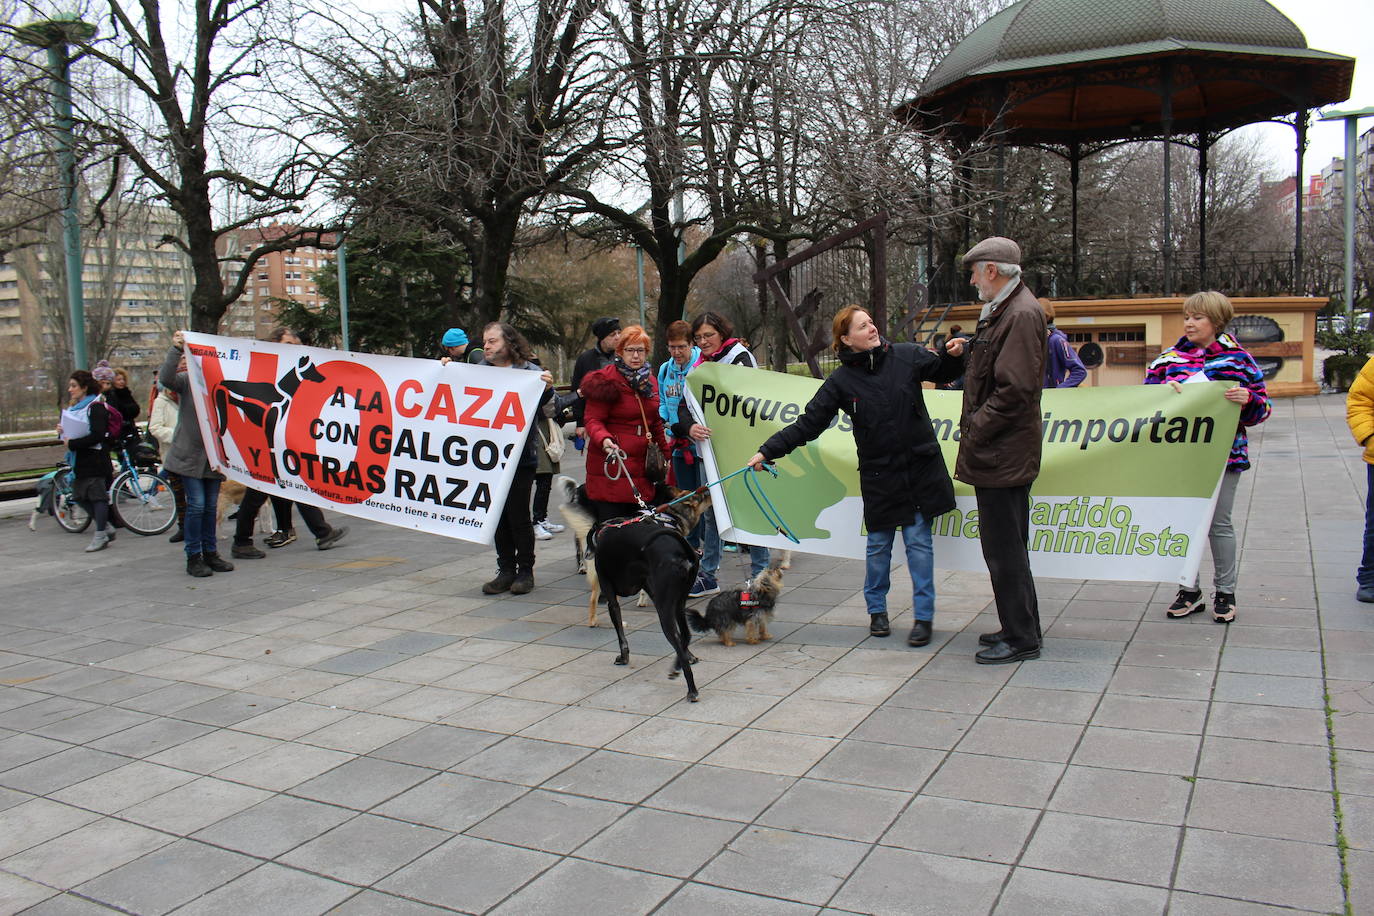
[(455, 337), (102, 371), (605, 327)]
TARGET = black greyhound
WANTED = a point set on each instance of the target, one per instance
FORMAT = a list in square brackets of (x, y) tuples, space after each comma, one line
[(264, 404), (646, 553)]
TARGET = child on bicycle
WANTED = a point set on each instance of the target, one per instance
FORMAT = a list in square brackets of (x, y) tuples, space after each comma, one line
[(84, 430)]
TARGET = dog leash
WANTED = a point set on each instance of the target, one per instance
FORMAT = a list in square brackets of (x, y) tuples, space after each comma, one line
[(615, 468), (755, 491)]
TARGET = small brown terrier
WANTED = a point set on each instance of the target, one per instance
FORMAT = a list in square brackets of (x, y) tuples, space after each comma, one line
[(752, 607)]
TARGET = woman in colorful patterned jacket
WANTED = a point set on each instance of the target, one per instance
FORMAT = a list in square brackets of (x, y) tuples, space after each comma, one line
[(1206, 348)]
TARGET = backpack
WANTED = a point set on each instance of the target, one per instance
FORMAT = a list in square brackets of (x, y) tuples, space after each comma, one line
[(115, 429)]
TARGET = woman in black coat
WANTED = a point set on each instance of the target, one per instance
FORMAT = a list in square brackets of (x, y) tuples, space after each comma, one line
[(902, 476)]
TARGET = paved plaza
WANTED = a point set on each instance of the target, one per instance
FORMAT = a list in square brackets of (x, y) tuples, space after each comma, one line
[(362, 731)]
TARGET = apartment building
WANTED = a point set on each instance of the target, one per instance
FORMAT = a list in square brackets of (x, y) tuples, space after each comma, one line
[(276, 276)]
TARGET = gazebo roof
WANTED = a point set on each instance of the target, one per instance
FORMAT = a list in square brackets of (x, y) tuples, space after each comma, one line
[(1064, 70)]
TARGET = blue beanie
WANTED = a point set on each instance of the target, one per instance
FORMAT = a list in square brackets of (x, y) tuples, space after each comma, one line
[(455, 337)]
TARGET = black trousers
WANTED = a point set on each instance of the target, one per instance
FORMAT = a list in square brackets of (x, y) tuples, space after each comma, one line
[(515, 530), (1004, 530), (281, 509), (543, 483)]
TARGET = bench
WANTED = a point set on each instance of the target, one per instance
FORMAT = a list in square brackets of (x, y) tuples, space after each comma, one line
[(24, 461)]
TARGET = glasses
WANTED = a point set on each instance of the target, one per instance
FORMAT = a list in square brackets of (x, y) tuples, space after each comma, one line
[(635, 351), (702, 338)]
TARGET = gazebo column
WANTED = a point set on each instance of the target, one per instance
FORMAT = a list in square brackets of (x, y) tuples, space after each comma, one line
[(1202, 141), (1299, 200), (1166, 119), (1075, 156)]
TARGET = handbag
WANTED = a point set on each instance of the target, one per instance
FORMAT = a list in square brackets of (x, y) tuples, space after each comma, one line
[(554, 443), (655, 468)]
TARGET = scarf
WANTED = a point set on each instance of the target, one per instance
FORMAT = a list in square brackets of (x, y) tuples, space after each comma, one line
[(641, 380)]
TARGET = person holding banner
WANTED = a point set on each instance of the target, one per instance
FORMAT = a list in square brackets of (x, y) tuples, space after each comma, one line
[(621, 418), (186, 458), (999, 440), (504, 346), (1359, 415), (1206, 351), (903, 480)]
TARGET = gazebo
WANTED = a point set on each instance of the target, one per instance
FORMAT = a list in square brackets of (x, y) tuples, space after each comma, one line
[(1077, 76)]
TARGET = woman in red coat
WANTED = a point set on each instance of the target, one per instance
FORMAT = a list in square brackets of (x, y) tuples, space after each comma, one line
[(621, 413)]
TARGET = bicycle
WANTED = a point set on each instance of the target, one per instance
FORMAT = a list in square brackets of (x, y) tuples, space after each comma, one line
[(140, 500)]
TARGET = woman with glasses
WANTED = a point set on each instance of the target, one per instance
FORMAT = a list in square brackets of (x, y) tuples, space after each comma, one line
[(713, 333), (621, 418)]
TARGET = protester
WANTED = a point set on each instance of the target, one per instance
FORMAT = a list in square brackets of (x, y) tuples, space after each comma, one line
[(550, 444), (455, 344), (902, 476), (326, 535), (504, 346), (1359, 414), (1063, 368), (999, 444), (84, 430), (186, 458), (606, 330), (715, 335), (120, 395), (672, 385), (1205, 348), (622, 419), (162, 424)]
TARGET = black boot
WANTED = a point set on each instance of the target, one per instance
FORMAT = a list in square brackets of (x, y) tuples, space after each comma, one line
[(178, 537), (217, 562), (523, 583), (502, 583), (195, 566)]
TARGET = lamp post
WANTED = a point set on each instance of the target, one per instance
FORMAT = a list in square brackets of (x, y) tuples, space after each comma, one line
[(1349, 178), (54, 35), (341, 262)]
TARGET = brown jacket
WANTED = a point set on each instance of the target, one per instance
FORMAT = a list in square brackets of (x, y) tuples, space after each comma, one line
[(999, 434)]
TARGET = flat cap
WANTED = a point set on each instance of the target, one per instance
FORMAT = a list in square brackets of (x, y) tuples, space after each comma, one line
[(996, 249)]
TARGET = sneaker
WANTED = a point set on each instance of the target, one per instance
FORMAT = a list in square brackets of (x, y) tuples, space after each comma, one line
[(1223, 607), (729, 546), (334, 536), (704, 585), (553, 527), (246, 552), (281, 538), (542, 533), (1186, 602), (99, 542), (111, 532)]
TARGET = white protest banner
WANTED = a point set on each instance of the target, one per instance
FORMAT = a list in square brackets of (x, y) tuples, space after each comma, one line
[(407, 442), (1128, 475)]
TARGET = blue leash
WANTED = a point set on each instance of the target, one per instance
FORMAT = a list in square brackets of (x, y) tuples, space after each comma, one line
[(755, 490)]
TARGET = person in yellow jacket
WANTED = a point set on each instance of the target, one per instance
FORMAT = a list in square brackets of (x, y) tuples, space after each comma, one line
[(1359, 413)]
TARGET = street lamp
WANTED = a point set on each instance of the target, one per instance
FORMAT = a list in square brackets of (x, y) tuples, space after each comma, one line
[(54, 35), (1348, 179)]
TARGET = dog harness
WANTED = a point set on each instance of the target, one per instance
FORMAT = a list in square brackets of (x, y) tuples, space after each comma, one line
[(747, 601)]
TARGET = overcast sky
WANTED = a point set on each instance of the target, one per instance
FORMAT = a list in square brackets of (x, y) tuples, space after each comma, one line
[(1342, 27)]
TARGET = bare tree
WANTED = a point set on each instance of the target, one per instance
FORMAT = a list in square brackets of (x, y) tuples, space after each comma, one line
[(200, 122)]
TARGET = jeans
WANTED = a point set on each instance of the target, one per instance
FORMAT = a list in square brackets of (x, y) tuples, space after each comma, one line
[(710, 553), (1365, 577), (688, 477), (920, 562), (202, 495)]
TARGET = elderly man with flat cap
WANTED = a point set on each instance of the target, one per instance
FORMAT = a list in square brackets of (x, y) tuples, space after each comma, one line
[(999, 441)]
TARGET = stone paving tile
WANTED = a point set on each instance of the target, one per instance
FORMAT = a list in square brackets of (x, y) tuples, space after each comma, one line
[(196, 804), (969, 830), (720, 792), (887, 880), (1264, 870), (489, 873), (120, 788), (614, 776), (1100, 847), (36, 821), (579, 886), (365, 849), (1158, 798), (1127, 749), (692, 899), (436, 746), (284, 766), (274, 826), (451, 801), (362, 783), (1266, 763), (18, 894), (271, 888), (1151, 713), (57, 771), (168, 877), (522, 760), (1032, 892), (779, 863), (68, 860), (995, 780), (1288, 814), (549, 821), (835, 809)]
